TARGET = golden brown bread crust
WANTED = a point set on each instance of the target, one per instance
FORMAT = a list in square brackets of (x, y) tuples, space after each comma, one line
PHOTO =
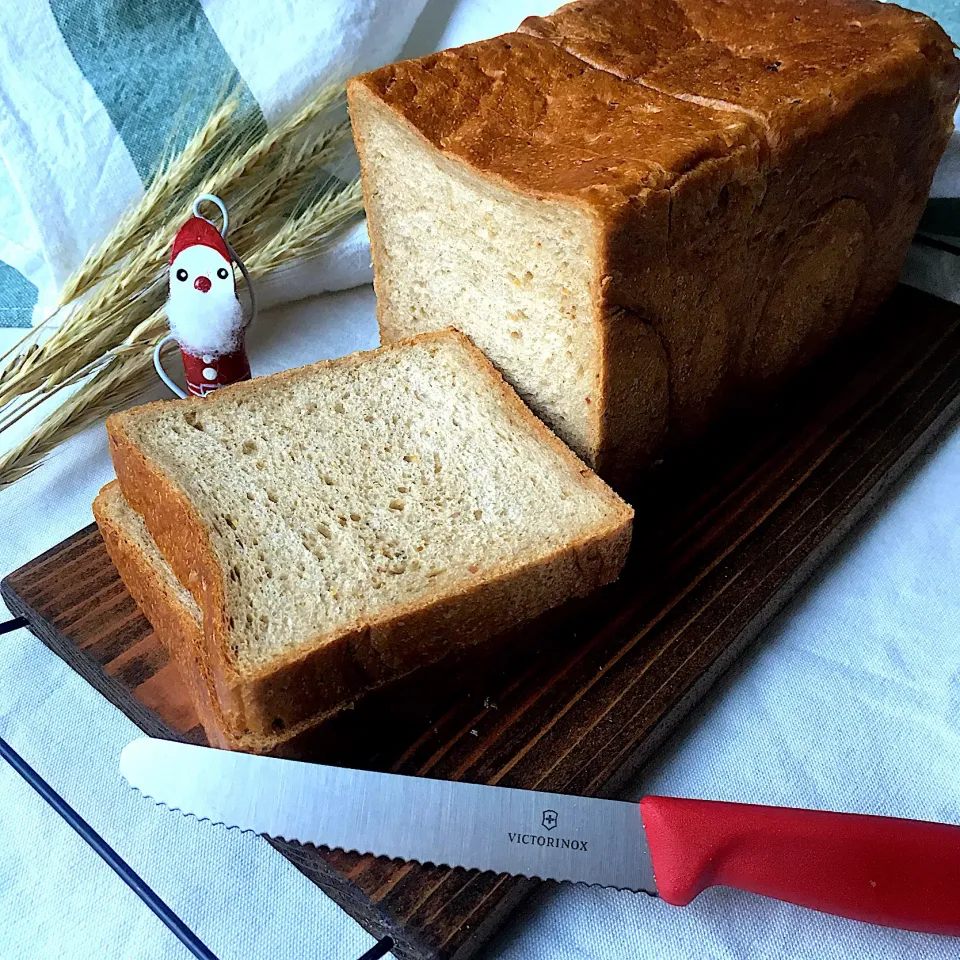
[(754, 171), (531, 117), (178, 629), (635, 400), (856, 101), (183, 539), (342, 666), (526, 112), (775, 60)]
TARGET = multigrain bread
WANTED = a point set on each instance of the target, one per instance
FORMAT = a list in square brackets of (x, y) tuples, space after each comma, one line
[(349, 522), (164, 601), (854, 103), (642, 211)]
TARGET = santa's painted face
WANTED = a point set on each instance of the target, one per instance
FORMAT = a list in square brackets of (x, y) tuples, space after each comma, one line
[(201, 271), (203, 310)]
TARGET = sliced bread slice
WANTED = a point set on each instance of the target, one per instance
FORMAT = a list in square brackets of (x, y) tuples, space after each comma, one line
[(178, 624), (348, 522), (164, 601)]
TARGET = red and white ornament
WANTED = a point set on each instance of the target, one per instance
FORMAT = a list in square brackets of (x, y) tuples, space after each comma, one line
[(205, 316)]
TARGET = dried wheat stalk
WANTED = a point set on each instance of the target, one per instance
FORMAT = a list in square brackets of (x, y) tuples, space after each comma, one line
[(285, 206), (218, 135), (120, 382)]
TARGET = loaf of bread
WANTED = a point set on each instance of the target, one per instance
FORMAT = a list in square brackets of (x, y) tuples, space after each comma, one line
[(645, 210), (349, 522)]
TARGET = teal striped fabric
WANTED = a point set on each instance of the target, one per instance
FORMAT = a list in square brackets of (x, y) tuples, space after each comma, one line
[(157, 67), (17, 297)]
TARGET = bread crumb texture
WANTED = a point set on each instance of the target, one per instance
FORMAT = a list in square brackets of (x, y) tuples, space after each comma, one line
[(131, 524)]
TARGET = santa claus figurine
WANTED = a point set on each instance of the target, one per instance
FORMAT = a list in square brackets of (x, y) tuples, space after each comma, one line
[(204, 313)]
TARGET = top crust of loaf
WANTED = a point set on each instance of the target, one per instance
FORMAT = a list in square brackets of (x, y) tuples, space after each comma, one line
[(522, 110), (497, 593), (794, 65), (606, 100)]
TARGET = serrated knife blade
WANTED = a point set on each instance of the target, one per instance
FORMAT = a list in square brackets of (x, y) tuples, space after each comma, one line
[(895, 872), (547, 835)]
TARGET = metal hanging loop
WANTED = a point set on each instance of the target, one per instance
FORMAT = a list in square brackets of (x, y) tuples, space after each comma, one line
[(217, 202)]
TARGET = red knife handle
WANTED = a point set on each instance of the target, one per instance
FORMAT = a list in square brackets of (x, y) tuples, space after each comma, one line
[(897, 873)]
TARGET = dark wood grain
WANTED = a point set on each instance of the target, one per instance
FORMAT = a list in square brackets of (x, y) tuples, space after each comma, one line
[(726, 533)]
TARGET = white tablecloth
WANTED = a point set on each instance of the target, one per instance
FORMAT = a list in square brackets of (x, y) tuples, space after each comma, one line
[(850, 701)]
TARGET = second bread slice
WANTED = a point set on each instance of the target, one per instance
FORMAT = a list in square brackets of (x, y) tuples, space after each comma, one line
[(178, 623), (351, 521)]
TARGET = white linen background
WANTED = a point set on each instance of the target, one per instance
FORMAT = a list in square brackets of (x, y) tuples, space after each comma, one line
[(850, 701)]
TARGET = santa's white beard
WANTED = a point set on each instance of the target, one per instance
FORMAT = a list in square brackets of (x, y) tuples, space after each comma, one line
[(206, 323)]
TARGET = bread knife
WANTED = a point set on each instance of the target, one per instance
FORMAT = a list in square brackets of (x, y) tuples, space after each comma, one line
[(883, 870)]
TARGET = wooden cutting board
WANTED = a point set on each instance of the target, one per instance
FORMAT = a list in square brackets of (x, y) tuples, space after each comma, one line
[(725, 535)]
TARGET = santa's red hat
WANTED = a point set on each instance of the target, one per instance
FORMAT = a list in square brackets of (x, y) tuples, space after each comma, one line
[(197, 231)]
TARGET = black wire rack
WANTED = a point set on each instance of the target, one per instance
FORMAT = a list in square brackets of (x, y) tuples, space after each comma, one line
[(116, 863)]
